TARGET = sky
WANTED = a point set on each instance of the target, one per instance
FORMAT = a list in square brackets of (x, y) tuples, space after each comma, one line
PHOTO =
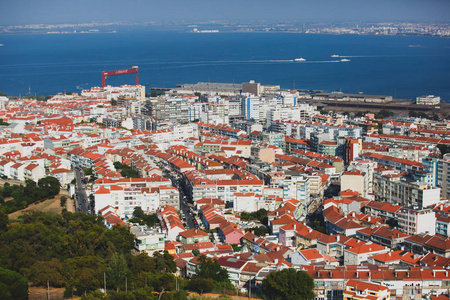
[(20, 12)]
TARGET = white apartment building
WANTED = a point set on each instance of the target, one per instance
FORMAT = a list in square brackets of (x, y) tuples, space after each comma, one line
[(126, 199), (395, 189), (416, 221), (367, 167), (251, 107)]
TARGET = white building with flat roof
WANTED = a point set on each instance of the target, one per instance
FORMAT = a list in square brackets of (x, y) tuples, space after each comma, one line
[(428, 100)]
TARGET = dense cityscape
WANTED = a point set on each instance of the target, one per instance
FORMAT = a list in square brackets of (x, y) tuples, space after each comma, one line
[(229, 188)]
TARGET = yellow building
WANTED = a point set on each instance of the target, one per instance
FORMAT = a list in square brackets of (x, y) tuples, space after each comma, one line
[(358, 290)]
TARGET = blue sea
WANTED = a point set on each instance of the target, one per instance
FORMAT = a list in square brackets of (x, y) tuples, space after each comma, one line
[(401, 66)]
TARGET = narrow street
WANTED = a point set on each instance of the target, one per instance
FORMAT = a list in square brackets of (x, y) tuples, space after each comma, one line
[(81, 199)]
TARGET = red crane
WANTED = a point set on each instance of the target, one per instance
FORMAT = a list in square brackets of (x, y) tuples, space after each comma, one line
[(134, 69)]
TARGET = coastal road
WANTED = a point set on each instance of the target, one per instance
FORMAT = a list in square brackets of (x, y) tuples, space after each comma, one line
[(81, 199)]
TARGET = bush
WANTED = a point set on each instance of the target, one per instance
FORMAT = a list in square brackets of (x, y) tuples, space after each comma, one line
[(201, 285), (63, 201)]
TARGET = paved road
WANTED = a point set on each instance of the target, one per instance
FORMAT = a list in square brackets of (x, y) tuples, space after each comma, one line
[(184, 207), (81, 199)]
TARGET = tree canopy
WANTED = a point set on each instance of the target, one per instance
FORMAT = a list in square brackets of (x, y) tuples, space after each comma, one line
[(140, 217), (71, 250), (12, 285), (288, 284), (126, 171)]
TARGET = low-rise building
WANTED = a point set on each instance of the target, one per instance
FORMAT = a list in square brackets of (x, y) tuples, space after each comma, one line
[(359, 290), (148, 240)]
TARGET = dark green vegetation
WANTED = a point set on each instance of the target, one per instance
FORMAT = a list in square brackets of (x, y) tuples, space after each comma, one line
[(13, 286), (210, 276), (3, 123), (260, 215), (288, 284), (69, 250), (77, 251), (126, 171), (47, 188), (154, 93), (259, 231), (443, 148), (140, 217)]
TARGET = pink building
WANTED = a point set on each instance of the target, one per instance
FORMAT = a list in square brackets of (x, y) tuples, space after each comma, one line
[(229, 233)]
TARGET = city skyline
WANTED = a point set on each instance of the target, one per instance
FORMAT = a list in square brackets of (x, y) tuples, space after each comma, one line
[(24, 12)]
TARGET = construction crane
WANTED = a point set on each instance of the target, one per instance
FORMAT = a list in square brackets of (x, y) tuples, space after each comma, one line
[(133, 69)]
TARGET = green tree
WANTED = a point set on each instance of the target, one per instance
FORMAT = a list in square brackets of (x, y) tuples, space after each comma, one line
[(164, 282), (195, 252), (126, 171), (52, 271), (142, 263), (138, 213), (4, 220), (209, 268), (201, 285), (236, 247), (260, 231), (63, 201), (12, 285), (164, 262), (50, 185), (288, 284), (117, 271), (443, 148)]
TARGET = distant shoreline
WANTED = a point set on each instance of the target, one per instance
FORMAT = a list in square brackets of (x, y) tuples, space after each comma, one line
[(331, 28), (219, 32)]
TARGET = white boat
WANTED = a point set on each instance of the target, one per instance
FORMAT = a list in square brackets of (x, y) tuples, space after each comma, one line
[(300, 59), (334, 55), (344, 59)]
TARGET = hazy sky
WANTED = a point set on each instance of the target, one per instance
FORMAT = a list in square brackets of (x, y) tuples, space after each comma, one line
[(14, 12)]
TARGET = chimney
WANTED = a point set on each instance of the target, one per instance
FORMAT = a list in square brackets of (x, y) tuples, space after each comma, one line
[(275, 261), (395, 274), (357, 275), (330, 274), (407, 274), (295, 227), (353, 214), (337, 238), (195, 230), (368, 219)]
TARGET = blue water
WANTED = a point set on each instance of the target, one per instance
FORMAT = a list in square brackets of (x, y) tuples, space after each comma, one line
[(48, 64)]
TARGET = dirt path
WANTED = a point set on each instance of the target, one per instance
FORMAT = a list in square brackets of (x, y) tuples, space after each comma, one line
[(51, 205), (40, 293)]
